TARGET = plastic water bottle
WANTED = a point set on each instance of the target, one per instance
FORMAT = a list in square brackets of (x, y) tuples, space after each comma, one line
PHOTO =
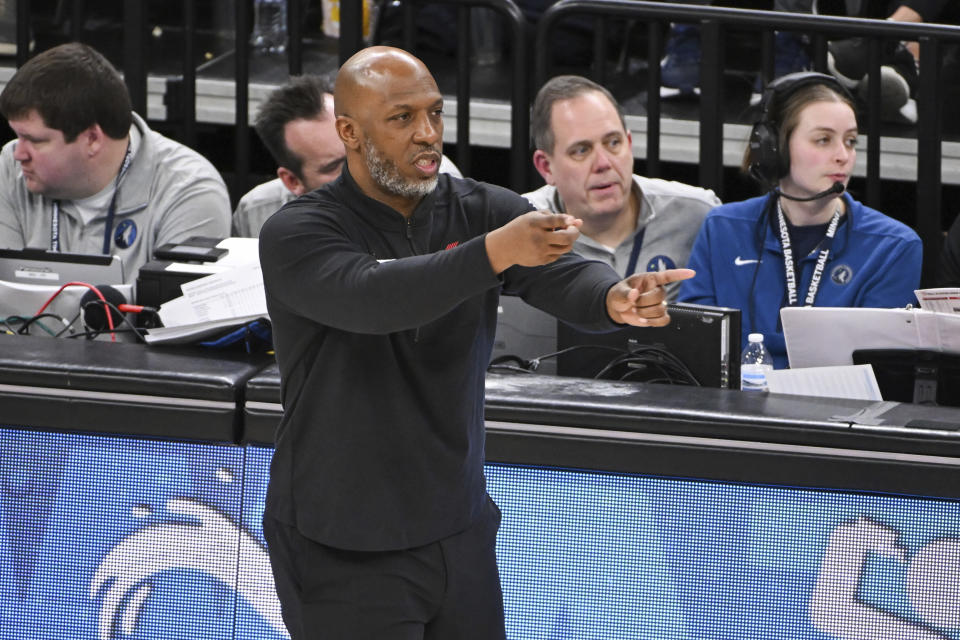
[(269, 26), (755, 362)]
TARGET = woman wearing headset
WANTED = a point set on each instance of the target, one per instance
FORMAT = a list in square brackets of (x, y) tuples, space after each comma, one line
[(806, 242)]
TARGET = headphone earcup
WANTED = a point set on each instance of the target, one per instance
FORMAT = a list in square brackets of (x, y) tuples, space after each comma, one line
[(767, 161)]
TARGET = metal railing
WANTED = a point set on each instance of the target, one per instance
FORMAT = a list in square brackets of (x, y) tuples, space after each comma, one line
[(351, 41), (519, 112), (715, 24)]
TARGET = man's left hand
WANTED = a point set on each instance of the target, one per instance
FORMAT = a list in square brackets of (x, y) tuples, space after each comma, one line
[(641, 299)]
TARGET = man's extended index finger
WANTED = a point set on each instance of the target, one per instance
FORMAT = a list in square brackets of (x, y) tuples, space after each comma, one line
[(674, 275), (664, 277), (552, 220)]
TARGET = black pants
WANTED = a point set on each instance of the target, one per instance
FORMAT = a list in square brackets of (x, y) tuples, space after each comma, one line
[(444, 590)]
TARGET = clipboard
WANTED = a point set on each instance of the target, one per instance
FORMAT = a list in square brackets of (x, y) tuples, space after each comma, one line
[(828, 336)]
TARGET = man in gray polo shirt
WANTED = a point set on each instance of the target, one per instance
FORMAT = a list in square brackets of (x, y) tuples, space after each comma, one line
[(584, 153), (86, 175)]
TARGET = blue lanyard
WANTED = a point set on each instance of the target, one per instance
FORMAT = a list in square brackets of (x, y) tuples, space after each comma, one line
[(789, 264), (635, 252), (111, 211), (55, 227)]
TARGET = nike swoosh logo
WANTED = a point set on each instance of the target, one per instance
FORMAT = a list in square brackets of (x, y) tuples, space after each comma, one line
[(740, 261)]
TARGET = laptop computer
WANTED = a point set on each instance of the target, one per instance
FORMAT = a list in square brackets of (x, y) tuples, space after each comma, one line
[(41, 267)]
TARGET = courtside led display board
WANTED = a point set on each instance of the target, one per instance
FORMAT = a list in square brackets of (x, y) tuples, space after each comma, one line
[(108, 538)]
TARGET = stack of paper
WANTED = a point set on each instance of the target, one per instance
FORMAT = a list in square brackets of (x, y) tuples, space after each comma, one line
[(233, 296), (944, 300), (855, 382)]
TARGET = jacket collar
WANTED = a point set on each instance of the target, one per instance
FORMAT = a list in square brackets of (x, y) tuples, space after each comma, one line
[(771, 241), (136, 182), (378, 214)]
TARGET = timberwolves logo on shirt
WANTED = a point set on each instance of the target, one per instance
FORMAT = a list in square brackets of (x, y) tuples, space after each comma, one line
[(126, 234), (660, 263), (841, 274)]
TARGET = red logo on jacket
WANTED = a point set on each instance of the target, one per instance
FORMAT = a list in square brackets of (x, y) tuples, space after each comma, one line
[(452, 245)]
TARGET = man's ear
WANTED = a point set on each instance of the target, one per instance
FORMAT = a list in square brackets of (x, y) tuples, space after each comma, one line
[(542, 162), (93, 139), (290, 180), (348, 132)]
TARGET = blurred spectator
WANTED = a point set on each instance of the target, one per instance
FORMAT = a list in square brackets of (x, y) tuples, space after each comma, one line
[(296, 125), (680, 66), (847, 59)]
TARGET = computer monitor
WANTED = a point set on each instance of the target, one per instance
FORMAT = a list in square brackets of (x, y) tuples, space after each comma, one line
[(40, 267), (31, 279), (919, 376), (700, 346)]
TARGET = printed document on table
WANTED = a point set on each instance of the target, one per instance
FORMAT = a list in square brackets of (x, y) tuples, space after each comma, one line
[(943, 299), (854, 382), (233, 294)]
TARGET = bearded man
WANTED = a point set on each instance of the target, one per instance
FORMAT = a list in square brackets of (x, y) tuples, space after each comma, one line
[(382, 287)]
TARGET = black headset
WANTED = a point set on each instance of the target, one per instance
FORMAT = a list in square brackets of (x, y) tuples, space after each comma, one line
[(768, 162)]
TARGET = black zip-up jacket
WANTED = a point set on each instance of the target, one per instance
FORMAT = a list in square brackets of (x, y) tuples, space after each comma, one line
[(383, 329)]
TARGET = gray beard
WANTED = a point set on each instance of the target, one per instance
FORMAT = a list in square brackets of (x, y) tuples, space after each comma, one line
[(385, 173)]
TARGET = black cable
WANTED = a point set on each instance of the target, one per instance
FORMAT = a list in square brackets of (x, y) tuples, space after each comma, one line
[(94, 333), (9, 319), (670, 368), (24, 329), (69, 325), (577, 347), (509, 367), (91, 334), (622, 359), (657, 372), (531, 366), (517, 360), (644, 355), (673, 360)]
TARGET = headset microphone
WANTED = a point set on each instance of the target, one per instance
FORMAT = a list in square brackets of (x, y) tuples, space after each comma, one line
[(95, 316), (836, 188)]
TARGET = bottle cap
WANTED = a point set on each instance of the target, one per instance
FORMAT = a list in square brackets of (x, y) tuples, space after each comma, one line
[(755, 337)]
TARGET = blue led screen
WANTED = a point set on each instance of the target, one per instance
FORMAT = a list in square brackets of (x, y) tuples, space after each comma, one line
[(105, 538), (589, 555)]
